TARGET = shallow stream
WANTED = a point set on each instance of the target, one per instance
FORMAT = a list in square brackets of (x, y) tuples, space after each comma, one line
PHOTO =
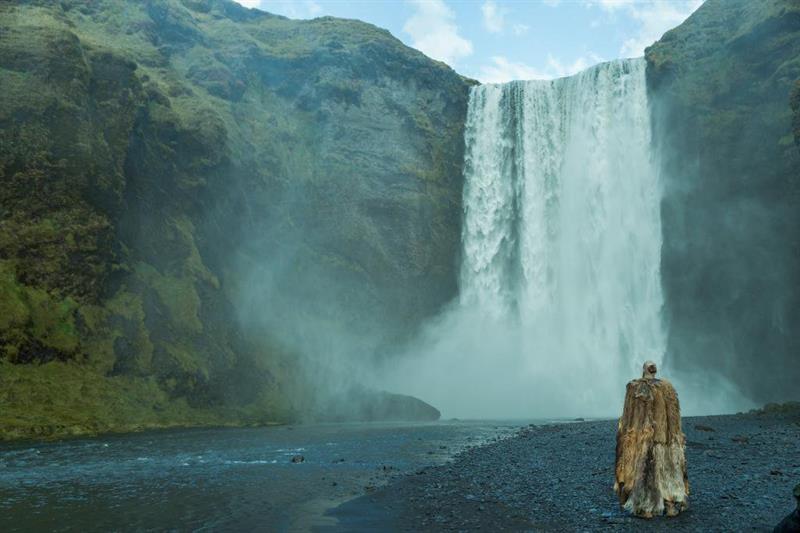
[(217, 479)]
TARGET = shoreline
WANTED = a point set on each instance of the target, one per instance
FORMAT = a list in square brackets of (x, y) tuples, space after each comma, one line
[(137, 429), (559, 476)]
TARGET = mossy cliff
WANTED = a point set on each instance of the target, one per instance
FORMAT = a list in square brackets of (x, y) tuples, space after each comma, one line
[(156, 157), (724, 90)]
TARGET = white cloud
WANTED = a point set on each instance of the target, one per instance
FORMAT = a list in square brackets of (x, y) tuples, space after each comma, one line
[(294, 9), (501, 70), (521, 29), (557, 69), (434, 32), (314, 8), (493, 17), (611, 5), (551, 3), (654, 20)]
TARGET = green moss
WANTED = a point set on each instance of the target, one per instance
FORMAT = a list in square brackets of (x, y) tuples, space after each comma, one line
[(178, 296), (794, 103), (57, 400), (193, 264), (186, 362), (14, 312), (33, 315), (53, 321), (123, 318)]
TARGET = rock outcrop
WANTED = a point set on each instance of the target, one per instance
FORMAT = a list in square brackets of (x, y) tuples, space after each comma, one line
[(720, 86), (366, 405), (796, 109)]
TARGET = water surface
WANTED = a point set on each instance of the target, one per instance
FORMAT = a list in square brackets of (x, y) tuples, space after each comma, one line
[(216, 479)]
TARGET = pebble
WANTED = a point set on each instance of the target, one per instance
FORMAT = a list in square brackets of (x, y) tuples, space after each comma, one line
[(558, 477)]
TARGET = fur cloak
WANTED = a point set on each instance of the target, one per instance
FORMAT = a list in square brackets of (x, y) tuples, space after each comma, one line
[(651, 467)]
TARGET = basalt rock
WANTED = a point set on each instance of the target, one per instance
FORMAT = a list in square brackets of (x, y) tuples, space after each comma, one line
[(720, 87), (360, 404), (795, 103)]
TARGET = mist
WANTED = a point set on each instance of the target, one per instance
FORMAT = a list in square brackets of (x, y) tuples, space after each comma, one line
[(470, 366), (323, 346)]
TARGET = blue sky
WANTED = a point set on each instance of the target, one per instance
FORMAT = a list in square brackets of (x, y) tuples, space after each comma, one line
[(501, 40)]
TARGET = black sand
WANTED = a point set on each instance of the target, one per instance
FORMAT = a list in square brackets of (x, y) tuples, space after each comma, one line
[(559, 478)]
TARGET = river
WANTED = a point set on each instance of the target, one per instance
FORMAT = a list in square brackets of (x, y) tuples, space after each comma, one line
[(217, 479)]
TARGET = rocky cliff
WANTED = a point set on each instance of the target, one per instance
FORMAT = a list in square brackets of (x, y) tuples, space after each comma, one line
[(185, 184), (721, 88)]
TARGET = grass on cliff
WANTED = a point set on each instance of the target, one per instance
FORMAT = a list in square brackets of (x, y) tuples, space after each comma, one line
[(58, 399)]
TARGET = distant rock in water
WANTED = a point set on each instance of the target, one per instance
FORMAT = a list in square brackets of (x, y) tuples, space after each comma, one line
[(364, 405), (390, 406)]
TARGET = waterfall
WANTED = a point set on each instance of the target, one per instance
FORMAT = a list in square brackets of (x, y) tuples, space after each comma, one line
[(562, 229), (560, 291)]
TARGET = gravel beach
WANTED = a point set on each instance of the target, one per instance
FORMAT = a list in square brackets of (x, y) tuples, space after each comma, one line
[(559, 477)]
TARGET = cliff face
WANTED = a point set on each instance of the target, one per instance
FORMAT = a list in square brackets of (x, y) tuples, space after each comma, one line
[(171, 169), (796, 109), (721, 86)]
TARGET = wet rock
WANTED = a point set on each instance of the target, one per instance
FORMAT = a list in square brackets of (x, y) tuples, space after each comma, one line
[(366, 405)]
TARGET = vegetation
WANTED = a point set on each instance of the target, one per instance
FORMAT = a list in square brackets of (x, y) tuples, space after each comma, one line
[(151, 153), (796, 109)]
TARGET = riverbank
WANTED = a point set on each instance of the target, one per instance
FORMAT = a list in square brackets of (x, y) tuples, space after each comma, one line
[(558, 477)]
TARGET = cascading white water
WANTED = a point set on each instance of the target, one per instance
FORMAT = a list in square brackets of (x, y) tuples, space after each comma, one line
[(561, 297), (562, 230)]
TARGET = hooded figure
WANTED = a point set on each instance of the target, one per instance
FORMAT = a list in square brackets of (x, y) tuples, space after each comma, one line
[(650, 467)]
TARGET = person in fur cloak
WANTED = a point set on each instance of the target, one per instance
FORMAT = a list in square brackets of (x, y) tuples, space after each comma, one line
[(650, 466)]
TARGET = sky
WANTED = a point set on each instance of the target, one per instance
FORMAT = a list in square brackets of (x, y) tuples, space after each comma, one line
[(501, 40)]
